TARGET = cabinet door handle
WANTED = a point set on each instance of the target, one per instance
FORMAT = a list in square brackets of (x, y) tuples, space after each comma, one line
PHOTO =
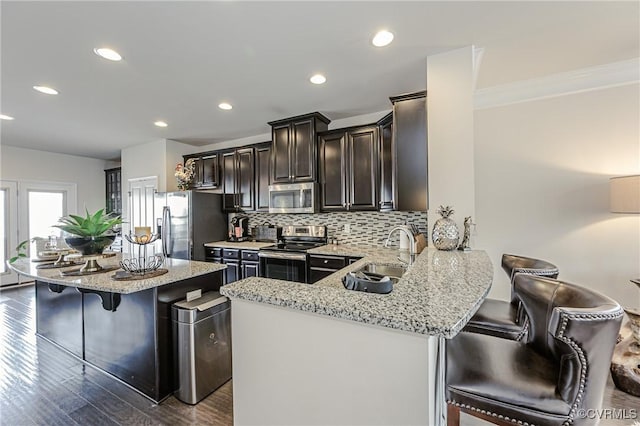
[(326, 261)]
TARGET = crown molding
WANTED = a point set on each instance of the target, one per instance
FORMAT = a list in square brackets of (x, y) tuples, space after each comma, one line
[(577, 81)]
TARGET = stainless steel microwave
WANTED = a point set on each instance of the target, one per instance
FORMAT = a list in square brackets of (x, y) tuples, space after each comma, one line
[(293, 198)]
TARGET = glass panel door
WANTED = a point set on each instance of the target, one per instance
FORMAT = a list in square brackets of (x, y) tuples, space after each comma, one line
[(41, 204), (44, 210)]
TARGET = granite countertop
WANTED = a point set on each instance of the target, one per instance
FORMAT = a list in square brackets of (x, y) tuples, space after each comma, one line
[(437, 296), (178, 270), (245, 245)]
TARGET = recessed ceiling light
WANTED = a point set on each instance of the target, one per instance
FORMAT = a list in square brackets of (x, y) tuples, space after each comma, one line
[(5, 117), (160, 124), (318, 79), (107, 53), (225, 106), (46, 90), (382, 38)]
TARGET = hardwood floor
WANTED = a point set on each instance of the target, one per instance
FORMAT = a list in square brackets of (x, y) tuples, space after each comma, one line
[(41, 384)]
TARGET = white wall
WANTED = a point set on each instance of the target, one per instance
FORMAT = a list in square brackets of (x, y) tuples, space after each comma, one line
[(174, 152), (86, 173), (541, 173), (450, 77)]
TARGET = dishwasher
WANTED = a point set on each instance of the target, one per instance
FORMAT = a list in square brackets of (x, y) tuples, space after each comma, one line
[(202, 345)]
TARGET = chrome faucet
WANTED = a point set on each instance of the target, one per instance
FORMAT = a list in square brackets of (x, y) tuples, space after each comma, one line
[(413, 243)]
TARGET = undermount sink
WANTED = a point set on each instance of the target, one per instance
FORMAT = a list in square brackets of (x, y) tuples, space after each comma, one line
[(392, 271)]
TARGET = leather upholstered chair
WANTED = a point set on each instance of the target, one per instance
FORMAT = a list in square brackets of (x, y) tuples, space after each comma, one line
[(549, 379), (505, 319)]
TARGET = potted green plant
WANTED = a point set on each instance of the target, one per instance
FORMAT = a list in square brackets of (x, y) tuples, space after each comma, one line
[(91, 234)]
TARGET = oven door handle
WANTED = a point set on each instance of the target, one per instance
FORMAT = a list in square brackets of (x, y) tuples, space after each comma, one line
[(286, 256)]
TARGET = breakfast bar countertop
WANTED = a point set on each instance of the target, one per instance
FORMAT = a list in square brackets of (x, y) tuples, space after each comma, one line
[(178, 269), (436, 296)]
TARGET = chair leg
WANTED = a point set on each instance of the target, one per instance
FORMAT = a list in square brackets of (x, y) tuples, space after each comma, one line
[(453, 415)]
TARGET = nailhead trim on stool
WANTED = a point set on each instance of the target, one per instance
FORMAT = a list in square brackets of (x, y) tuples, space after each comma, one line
[(489, 413), (564, 320), (534, 271)]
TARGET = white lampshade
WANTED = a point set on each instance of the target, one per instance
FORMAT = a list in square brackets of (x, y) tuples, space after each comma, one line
[(625, 194)]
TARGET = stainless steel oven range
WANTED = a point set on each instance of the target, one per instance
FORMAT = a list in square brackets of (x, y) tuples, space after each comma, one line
[(287, 260)]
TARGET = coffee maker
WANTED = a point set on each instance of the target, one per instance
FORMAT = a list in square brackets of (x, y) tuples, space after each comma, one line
[(239, 229)]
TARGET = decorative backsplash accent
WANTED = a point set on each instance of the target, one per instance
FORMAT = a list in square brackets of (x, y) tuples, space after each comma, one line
[(369, 228)]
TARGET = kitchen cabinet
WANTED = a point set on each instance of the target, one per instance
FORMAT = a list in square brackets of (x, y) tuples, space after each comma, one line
[(293, 156), (210, 170), (213, 254), (206, 171), (263, 176), (238, 183), (386, 163), (410, 149), (321, 266), (240, 263), (348, 163), (231, 258), (113, 190), (250, 266)]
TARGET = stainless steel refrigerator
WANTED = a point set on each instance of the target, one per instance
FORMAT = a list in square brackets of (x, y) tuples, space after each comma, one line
[(186, 220)]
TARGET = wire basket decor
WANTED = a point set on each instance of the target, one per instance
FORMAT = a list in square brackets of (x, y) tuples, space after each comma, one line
[(142, 264)]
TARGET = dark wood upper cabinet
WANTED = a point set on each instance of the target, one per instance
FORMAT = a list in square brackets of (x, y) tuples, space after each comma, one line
[(238, 183), (293, 157), (263, 176), (410, 147), (348, 162), (333, 171), (210, 170), (198, 175), (362, 151), (207, 170), (387, 162)]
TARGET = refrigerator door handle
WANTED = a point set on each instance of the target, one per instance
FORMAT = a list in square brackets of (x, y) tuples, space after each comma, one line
[(166, 231)]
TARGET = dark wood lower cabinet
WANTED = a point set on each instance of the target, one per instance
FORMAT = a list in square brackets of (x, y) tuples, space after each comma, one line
[(321, 266), (59, 316), (233, 272), (250, 269), (133, 343)]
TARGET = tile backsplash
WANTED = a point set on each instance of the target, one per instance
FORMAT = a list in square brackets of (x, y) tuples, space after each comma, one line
[(369, 228)]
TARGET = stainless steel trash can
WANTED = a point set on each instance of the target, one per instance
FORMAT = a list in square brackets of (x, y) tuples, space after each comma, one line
[(202, 343)]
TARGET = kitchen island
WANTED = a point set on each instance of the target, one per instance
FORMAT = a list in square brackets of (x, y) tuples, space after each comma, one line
[(321, 354), (122, 327)]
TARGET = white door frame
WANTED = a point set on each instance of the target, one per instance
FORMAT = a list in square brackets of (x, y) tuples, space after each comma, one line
[(10, 238)]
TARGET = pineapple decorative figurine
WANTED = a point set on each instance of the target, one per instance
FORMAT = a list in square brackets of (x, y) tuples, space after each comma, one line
[(445, 234)]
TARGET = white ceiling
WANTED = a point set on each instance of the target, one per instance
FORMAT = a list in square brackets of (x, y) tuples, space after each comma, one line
[(183, 58)]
